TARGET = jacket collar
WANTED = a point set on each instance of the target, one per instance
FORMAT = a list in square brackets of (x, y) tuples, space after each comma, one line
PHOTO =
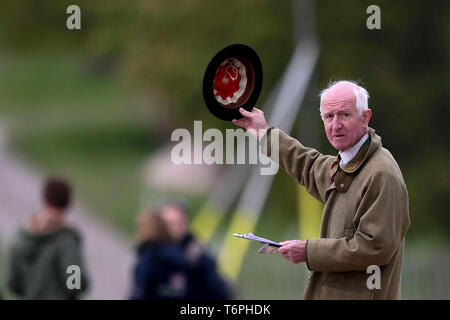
[(344, 176), (350, 153), (368, 148)]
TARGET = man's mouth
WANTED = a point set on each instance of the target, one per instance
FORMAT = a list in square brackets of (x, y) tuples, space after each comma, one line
[(338, 135)]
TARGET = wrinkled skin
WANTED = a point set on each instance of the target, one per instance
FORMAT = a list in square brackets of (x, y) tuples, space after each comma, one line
[(343, 124)]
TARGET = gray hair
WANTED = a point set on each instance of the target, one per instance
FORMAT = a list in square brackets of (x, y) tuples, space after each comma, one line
[(361, 95)]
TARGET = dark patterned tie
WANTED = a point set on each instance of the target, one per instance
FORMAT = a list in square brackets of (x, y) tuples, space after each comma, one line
[(335, 167)]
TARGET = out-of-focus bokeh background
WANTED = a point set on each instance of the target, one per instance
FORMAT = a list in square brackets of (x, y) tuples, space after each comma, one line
[(98, 105)]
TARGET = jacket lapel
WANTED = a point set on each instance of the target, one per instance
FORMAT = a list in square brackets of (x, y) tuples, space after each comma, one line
[(341, 179)]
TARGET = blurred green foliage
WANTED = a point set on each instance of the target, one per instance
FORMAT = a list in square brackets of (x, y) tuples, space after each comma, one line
[(156, 47)]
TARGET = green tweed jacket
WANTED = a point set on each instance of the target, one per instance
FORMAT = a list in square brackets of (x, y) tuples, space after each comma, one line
[(364, 221)]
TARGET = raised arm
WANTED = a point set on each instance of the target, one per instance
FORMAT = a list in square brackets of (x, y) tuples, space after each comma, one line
[(308, 166)]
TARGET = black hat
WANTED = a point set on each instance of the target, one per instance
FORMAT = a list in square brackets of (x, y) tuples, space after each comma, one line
[(232, 80)]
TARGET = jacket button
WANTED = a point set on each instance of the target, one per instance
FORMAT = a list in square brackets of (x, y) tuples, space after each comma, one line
[(341, 185)]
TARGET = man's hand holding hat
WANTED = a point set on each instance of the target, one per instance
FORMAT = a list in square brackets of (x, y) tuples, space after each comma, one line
[(253, 121)]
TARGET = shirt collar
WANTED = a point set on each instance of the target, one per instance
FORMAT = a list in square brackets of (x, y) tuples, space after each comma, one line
[(348, 154)]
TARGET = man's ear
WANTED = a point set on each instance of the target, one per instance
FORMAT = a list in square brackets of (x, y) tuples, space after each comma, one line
[(367, 114)]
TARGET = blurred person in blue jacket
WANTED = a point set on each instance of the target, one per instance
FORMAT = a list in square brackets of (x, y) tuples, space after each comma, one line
[(204, 282), (161, 269)]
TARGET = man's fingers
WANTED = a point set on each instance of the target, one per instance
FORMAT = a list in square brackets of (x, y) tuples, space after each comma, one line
[(245, 113), (287, 242), (257, 110), (286, 256), (285, 248), (239, 123), (282, 250)]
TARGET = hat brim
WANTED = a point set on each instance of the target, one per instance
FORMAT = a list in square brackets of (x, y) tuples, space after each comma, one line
[(253, 84)]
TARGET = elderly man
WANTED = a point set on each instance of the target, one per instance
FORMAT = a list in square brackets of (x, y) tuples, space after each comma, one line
[(365, 215)]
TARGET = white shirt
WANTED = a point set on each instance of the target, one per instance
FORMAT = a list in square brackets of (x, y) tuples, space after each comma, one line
[(351, 152)]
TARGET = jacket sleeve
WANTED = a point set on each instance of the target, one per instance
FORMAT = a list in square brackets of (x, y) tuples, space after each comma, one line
[(382, 226), (308, 166)]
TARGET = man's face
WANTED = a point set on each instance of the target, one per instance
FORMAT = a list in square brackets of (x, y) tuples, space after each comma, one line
[(343, 124), (176, 221)]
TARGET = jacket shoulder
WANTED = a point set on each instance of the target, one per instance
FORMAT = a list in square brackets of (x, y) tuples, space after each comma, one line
[(383, 163), (69, 236)]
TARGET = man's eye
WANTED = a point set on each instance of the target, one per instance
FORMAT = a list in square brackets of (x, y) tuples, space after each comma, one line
[(346, 114)]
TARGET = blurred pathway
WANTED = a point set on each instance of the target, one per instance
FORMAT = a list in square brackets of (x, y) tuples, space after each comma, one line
[(109, 255)]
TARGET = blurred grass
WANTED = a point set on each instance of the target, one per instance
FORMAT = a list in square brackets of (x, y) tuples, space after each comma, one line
[(84, 126)]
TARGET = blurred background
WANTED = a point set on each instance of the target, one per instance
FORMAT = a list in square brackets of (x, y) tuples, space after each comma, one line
[(98, 105)]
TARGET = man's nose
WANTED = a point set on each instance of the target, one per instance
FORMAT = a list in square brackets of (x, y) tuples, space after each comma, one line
[(337, 122)]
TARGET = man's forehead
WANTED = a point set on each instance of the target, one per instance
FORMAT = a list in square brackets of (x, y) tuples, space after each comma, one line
[(340, 106), (340, 94)]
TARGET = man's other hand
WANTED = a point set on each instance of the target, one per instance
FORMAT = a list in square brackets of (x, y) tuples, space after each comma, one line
[(253, 121), (293, 250)]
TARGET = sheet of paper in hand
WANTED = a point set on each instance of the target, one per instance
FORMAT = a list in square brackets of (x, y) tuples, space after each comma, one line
[(268, 247)]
